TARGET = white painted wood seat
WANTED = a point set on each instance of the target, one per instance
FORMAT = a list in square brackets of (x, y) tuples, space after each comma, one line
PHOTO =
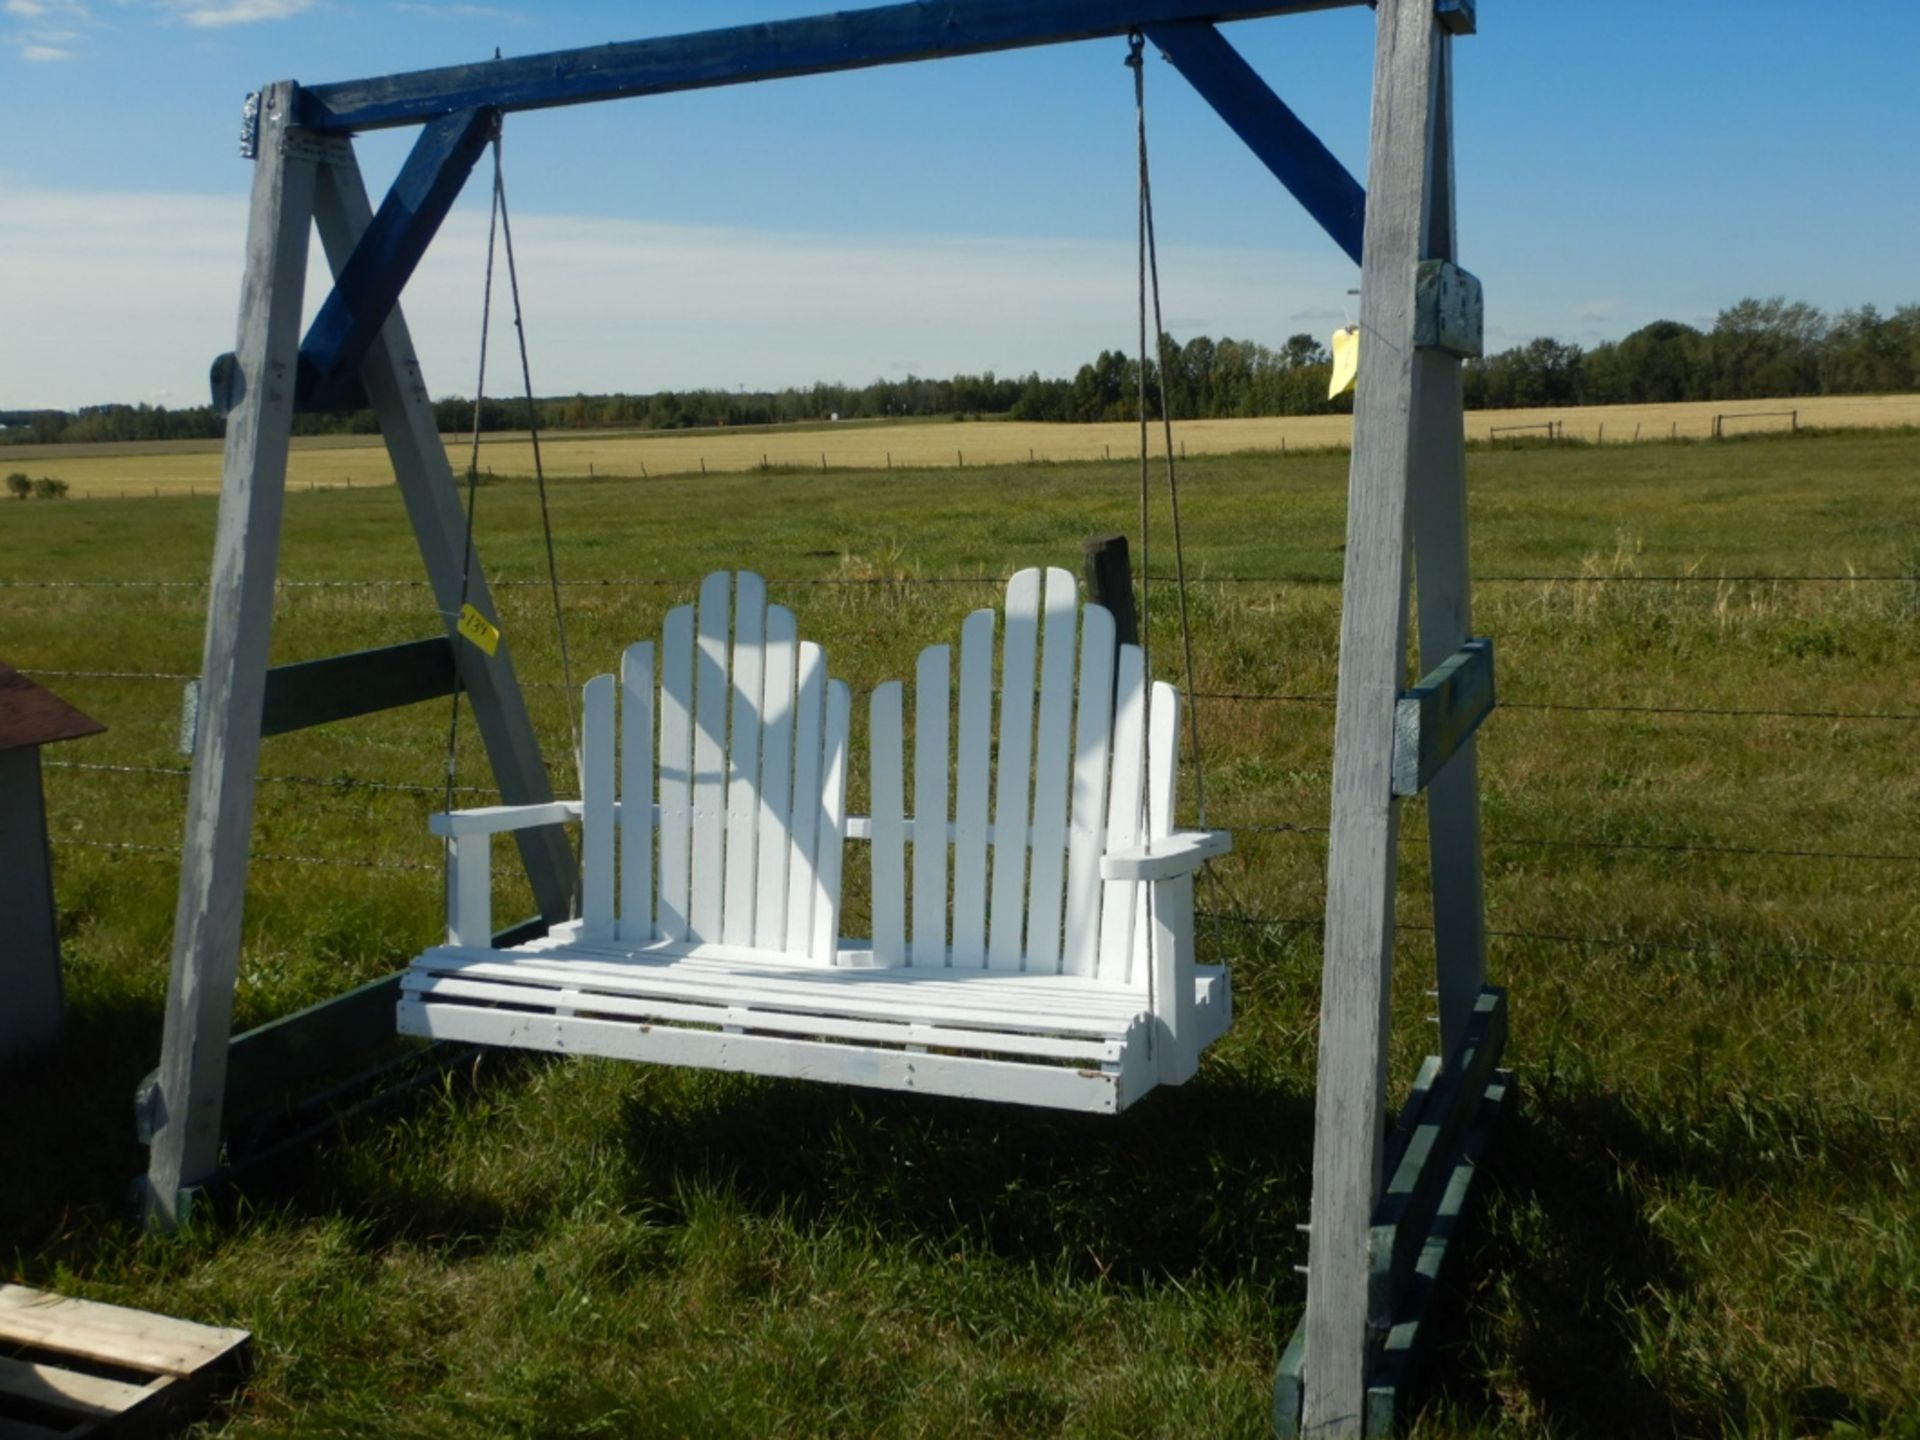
[(1019, 966)]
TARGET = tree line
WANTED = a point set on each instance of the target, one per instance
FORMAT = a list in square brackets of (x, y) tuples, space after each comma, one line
[(1756, 349)]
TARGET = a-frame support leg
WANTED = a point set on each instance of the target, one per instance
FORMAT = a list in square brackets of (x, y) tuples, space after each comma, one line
[(299, 179), (213, 869), (1407, 480), (1439, 504)]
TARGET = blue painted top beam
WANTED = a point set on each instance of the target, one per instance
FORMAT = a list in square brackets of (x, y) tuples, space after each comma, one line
[(846, 40)]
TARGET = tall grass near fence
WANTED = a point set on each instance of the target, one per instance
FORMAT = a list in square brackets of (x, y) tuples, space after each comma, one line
[(1702, 855)]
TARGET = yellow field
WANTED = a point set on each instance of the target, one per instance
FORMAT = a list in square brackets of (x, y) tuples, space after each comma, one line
[(177, 467)]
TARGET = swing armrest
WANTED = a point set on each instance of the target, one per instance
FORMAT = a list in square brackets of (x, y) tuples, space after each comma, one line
[(499, 819), (1180, 853)]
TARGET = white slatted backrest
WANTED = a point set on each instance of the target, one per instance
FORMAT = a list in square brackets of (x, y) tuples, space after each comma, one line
[(746, 678), (1117, 915), (597, 794), (676, 772), (733, 796), (932, 763), (1087, 838), (711, 694), (973, 754), (1066, 785), (776, 783), (886, 732)]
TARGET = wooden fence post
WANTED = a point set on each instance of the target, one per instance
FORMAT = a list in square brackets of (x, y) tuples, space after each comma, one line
[(1109, 577)]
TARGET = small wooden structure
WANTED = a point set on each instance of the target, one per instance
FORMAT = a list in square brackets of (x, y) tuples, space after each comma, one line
[(1377, 1232), (30, 716), (1023, 964), (76, 1369)]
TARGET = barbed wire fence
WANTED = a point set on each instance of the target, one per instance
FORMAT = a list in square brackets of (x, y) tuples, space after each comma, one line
[(1646, 947)]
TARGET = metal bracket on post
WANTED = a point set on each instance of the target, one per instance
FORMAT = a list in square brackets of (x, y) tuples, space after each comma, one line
[(1449, 312)]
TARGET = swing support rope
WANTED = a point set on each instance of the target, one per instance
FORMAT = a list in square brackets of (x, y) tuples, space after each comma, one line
[(499, 227), (1150, 287)]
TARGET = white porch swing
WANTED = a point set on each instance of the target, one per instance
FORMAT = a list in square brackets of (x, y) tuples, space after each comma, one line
[(1032, 916)]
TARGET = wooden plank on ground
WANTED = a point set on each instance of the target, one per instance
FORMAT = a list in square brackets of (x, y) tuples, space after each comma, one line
[(53, 1351)]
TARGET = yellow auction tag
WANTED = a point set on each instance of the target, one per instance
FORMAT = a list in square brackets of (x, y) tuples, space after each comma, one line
[(480, 630), (1346, 361)]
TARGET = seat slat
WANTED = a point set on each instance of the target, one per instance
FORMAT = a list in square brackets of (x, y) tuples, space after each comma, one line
[(1060, 1007), (743, 756), (635, 921), (676, 771), (1013, 773), (1120, 898), (886, 737), (596, 816), (803, 825), (970, 790), (711, 695), (1007, 1081), (724, 1009), (776, 783), (1052, 773), (1093, 734), (932, 721)]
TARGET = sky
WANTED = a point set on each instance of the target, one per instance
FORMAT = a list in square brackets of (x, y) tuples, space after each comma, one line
[(1617, 163)]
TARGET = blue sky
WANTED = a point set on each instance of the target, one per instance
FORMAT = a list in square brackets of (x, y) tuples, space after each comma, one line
[(1617, 163)]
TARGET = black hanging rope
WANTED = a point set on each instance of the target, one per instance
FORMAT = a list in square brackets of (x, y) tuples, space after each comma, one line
[(473, 488), (1150, 286)]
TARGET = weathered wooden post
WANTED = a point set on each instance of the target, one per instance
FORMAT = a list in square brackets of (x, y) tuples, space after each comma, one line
[(30, 1014)]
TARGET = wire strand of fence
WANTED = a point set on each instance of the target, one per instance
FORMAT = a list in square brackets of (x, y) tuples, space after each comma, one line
[(873, 581), (1646, 945), (1225, 696), (340, 782)]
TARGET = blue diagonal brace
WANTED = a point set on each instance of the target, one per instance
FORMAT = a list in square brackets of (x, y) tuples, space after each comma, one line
[(370, 284), (1273, 132)]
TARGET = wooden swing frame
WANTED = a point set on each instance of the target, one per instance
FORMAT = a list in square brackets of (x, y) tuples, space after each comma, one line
[(1385, 1197)]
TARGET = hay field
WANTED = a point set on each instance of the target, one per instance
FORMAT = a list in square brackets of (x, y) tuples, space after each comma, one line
[(337, 461)]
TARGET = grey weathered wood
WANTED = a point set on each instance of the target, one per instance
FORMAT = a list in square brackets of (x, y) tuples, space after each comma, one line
[(432, 498), (1424, 1166), (213, 869), (1411, 1337), (30, 958), (1434, 719), (1358, 961), (1445, 621), (342, 687)]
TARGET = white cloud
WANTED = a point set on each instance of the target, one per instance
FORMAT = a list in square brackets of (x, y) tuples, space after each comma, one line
[(613, 304), (240, 12), (41, 54)]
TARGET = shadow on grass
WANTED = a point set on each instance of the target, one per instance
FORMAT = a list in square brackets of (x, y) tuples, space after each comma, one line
[(68, 1151), (1563, 1254), (1204, 1181)]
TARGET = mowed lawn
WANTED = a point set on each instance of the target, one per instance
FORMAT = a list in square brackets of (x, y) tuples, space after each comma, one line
[(1701, 802), (192, 467)]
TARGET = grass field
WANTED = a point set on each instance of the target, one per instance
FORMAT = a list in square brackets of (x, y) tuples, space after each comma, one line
[(1702, 847), (339, 461)]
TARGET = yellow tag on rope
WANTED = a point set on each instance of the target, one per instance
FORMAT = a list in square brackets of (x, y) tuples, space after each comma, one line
[(1346, 361), (480, 630)]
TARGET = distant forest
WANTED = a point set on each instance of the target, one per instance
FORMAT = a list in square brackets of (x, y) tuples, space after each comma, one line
[(1756, 349)]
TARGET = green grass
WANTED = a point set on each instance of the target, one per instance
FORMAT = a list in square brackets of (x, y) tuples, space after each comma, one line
[(1699, 1220)]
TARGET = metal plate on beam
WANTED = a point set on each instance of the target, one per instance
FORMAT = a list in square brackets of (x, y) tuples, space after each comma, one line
[(1433, 720), (1448, 310)]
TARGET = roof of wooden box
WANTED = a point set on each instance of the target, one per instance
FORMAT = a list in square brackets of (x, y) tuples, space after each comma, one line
[(31, 714)]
